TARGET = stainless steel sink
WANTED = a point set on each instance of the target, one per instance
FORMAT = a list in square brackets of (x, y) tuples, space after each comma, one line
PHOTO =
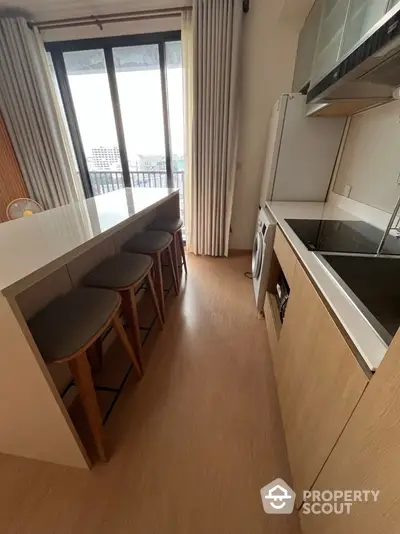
[(373, 284)]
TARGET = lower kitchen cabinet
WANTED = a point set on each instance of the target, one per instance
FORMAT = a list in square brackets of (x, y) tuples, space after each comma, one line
[(366, 457), (319, 382)]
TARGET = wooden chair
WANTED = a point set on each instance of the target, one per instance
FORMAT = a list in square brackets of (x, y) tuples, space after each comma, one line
[(173, 227), (154, 244), (64, 332), (124, 273)]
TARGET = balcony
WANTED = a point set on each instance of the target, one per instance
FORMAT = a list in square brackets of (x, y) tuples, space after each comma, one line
[(107, 181)]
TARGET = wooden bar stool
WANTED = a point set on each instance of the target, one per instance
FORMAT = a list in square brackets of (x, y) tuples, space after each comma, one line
[(125, 273), (67, 328), (173, 227), (154, 244)]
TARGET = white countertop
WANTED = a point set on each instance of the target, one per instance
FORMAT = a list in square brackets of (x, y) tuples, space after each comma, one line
[(369, 344), (31, 244)]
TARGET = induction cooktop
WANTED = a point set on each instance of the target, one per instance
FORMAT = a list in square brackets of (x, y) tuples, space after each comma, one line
[(357, 237)]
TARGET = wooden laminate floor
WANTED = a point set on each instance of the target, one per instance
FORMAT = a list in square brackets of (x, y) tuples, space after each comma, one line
[(192, 444)]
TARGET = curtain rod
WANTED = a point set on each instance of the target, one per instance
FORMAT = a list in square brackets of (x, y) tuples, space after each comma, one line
[(112, 17), (99, 20)]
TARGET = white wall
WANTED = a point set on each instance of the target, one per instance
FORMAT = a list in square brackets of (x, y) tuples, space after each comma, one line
[(296, 11), (370, 162), (269, 50)]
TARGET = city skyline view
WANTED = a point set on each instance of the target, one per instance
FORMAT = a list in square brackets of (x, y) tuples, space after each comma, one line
[(140, 97), (108, 158)]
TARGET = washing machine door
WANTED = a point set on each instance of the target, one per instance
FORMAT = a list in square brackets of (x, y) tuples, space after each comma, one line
[(257, 255)]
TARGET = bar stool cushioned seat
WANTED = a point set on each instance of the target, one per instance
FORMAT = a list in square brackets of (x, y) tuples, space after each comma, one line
[(68, 323), (155, 243), (174, 227), (67, 329), (123, 273), (119, 271), (148, 242), (167, 225)]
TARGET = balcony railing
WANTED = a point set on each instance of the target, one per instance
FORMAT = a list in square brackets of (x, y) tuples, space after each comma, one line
[(107, 181)]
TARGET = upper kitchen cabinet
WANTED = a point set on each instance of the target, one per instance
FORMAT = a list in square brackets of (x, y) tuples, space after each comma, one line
[(362, 16), (343, 24), (392, 3), (306, 48), (331, 29)]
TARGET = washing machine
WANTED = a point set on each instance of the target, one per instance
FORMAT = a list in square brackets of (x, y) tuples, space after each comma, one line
[(262, 255)]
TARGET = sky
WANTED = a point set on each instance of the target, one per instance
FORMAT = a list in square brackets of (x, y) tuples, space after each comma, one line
[(141, 107)]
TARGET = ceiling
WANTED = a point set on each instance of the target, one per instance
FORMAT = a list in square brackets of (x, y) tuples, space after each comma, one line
[(294, 11), (60, 9)]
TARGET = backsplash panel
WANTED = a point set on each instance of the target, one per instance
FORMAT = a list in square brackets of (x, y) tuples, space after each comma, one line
[(370, 161)]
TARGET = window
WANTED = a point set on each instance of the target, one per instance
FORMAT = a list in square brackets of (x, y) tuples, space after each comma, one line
[(123, 100)]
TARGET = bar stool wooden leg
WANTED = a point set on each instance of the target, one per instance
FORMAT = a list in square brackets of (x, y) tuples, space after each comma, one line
[(176, 251), (119, 329), (171, 261), (129, 309), (95, 354), (81, 372), (182, 247), (159, 282), (98, 345), (155, 300)]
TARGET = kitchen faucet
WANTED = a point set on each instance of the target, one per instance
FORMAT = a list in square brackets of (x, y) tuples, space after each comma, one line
[(390, 227)]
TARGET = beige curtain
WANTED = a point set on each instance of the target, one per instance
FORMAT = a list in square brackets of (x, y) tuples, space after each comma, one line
[(70, 161), (187, 58), (217, 26), (29, 110)]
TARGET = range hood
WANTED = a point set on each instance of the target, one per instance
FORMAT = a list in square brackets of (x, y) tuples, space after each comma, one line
[(366, 77)]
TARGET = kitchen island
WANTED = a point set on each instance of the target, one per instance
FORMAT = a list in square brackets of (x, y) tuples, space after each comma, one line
[(43, 257)]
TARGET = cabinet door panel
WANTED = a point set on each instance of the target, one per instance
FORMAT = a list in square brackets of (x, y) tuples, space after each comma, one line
[(319, 382), (367, 457), (362, 16), (391, 4), (306, 48), (333, 20)]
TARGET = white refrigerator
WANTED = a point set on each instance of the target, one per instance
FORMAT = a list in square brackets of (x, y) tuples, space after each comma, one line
[(301, 152)]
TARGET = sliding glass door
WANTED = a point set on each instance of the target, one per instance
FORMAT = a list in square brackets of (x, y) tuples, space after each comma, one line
[(123, 99), (90, 91), (173, 63), (139, 86)]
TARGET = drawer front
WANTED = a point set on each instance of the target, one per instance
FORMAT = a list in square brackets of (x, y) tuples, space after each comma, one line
[(285, 255)]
